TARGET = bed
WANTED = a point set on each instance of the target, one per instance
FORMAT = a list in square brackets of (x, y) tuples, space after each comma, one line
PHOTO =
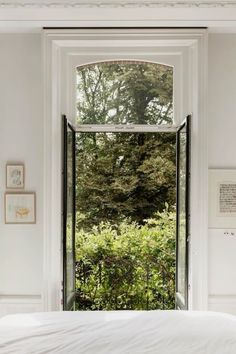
[(118, 332)]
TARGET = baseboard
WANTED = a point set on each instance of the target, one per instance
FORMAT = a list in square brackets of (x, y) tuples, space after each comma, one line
[(10, 304), (222, 303)]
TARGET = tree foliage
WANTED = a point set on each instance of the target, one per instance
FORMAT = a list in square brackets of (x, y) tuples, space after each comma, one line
[(121, 93), (125, 243), (124, 175), (127, 266)]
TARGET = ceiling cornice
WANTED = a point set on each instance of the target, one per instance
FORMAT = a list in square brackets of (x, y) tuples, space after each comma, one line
[(116, 3)]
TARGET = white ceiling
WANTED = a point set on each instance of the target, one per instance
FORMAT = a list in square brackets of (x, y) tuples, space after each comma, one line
[(32, 15)]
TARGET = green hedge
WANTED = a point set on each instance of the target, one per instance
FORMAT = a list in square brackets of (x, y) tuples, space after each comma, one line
[(127, 266)]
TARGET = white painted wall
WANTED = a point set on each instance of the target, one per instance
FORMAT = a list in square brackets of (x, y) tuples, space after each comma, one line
[(21, 140), (222, 154)]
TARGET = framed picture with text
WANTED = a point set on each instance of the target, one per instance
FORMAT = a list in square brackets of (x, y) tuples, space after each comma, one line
[(20, 208), (15, 176), (222, 198)]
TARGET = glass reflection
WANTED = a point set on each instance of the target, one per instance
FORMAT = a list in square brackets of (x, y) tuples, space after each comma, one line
[(181, 281)]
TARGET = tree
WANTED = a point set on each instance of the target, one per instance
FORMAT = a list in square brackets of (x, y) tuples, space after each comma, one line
[(127, 267), (124, 174), (121, 93)]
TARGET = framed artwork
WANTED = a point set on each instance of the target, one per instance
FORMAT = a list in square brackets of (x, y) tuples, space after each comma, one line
[(15, 176), (222, 198), (20, 208)]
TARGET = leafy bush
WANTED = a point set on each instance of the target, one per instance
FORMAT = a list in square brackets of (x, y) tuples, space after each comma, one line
[(127, 266)]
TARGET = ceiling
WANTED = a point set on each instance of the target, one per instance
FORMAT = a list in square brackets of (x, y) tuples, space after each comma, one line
[(32, 15)]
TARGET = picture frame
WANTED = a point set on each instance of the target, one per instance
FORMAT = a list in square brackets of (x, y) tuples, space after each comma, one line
[(15, 176), (20, 208), (222, 198)]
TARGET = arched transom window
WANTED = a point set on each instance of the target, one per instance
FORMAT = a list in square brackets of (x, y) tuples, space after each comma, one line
[(125, 92)]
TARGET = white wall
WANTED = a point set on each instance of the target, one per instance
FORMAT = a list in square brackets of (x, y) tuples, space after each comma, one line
[(21, 140), (222, 154)]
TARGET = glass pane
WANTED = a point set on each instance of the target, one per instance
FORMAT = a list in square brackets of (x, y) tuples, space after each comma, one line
[(182, 216), (69, 238), (125, 92)]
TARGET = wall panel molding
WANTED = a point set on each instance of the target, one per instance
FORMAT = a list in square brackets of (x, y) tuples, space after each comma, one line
[(10, 304), (222, 303)]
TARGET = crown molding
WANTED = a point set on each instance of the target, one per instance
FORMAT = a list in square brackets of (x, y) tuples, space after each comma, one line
[(32, 4), (29, 16)]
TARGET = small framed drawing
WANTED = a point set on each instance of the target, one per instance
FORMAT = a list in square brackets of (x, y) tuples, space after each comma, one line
[(20, 208), (15, 176), (222, 198)]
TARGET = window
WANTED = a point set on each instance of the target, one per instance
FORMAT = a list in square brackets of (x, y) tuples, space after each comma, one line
[(125, 92), (184, 50), (125, 187)]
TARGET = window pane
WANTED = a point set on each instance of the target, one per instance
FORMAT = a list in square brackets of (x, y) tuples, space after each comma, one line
[(125, 92), (69, 236), (182, 217)]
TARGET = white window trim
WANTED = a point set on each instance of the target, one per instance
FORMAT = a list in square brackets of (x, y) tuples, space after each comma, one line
[(61, 50), (130, 128)]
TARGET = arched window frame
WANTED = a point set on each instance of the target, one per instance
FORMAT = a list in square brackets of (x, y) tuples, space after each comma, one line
[(160, 54)]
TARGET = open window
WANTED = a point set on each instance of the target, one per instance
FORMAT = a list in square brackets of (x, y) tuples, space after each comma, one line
[(182, 214), (124, 119), (68, 215), (184, 50)]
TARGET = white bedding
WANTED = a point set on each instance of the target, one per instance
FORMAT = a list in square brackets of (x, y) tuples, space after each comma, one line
[(121, 332)]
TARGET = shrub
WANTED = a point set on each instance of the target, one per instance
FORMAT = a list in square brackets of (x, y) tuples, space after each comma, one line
[(127, 266)]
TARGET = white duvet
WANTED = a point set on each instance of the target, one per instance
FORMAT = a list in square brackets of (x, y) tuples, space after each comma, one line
[(119, 332)]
